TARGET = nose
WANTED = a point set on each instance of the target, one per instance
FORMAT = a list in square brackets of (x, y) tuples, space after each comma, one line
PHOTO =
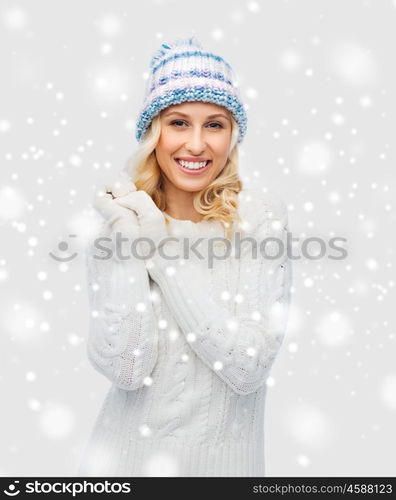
[(196, 141)]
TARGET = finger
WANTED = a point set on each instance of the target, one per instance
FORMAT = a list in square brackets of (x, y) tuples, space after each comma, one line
[(122, 188), (129, 212), (102, 204), (105, 204), (141, 203)]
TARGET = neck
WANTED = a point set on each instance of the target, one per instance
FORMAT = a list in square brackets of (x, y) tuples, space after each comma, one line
[(179, 204)]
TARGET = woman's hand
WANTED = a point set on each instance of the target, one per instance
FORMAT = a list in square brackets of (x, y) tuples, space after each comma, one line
[(133, 212), (121, 186), (118, 217), (151, 219), (154, 231)]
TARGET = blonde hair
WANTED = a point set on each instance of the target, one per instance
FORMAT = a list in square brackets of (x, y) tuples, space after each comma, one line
[(218, 201)]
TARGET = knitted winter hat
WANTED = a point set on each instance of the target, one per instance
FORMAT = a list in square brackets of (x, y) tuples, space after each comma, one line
[(182, 71)]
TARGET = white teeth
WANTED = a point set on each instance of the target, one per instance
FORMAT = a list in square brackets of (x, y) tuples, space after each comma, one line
[(193, 165)]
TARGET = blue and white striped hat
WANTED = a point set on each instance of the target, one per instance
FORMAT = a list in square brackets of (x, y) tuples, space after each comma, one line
[(183, 71)]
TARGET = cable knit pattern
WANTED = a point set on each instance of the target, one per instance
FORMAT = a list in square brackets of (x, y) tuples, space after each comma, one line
[(123, 338), (175, 395), (192, 365)]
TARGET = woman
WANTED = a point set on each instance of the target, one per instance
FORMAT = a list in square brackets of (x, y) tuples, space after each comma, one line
[(187, 340)]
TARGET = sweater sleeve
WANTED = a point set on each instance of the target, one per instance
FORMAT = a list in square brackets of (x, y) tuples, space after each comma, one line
[(241, 348), (123, 335)]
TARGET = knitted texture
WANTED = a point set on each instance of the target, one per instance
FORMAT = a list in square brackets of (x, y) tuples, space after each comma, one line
[(182, 71), (189, 370), (121, 313)]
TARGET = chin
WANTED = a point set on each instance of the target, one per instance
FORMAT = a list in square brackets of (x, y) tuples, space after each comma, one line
[(190, 185)]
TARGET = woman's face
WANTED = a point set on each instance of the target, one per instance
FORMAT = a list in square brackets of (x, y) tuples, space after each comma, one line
[(190, 132)]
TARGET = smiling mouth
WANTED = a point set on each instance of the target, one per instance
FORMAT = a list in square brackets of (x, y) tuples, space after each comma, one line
[(193, 169)]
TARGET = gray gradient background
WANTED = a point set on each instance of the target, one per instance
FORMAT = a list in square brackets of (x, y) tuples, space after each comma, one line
[(318, 80)]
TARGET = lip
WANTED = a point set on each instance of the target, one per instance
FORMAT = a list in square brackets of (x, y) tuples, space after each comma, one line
[(192, 158), (193, 172)]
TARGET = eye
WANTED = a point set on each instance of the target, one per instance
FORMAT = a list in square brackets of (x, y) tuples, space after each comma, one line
[(219, 125), (215, 123), (177, 121)]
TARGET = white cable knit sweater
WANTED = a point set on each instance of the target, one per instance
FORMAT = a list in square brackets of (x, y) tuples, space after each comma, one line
[(188, 353)]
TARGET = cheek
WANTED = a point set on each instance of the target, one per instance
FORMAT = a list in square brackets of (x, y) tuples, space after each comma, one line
[(163, 150), (220, 145), (164, 159), (168, 138), (168, 149), (221, 155)]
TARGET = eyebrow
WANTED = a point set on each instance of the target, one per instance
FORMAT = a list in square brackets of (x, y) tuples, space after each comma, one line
[(186, 116)]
